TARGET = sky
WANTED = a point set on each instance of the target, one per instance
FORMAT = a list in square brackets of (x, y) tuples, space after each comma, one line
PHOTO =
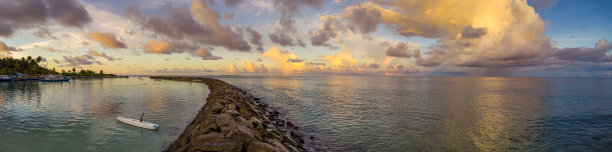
[(550, 38)]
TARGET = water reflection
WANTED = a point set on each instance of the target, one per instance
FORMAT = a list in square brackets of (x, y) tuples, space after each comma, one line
[(81, 115), (352, 113)]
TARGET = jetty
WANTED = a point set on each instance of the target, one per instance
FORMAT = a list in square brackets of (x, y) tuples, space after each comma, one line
[(233, 120)]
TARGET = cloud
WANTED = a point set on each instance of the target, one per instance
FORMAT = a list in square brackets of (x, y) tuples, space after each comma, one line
[(228, 16), (50, 49), (369, 66), (284, 40), (166, 47), (289, 8), (481, 34), (255, 39), (44, 33), (295, 60), (106, 40), (281, 59), (253, 68), (597, 54), (185, 70), (95, 53), (233, 69), (25, 14), (469, 32), (232, 3), (81, 60), (400, 70), (68, 12), (205, 54), (325, 33), (542, 4), (5, 50), (344, 60), (400, 50), (365, 19), (201, 25)]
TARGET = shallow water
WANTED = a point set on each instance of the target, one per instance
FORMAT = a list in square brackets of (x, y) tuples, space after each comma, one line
[(81, 115), (358, 113)]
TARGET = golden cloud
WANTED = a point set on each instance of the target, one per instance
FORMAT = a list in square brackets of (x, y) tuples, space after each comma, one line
[(106, 40)]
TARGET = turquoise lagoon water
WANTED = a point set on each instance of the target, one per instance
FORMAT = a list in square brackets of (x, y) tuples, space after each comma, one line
[(81, 115)]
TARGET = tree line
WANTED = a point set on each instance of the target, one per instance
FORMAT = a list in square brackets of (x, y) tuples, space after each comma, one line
[(29, 65)]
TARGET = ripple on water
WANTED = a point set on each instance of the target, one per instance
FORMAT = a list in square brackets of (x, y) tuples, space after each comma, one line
[(81, 115)]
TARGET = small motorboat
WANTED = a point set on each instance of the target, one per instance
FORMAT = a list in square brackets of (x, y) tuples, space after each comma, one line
[(54, 78), (5, 78), (138, 123)]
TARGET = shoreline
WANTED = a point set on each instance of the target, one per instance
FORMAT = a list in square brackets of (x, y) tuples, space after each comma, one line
[(233, 120)]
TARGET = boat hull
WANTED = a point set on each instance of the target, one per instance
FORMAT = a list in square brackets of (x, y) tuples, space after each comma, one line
[(61, 80), (138, 123)]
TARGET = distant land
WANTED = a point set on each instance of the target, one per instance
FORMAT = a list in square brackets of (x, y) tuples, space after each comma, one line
[(30, 66)]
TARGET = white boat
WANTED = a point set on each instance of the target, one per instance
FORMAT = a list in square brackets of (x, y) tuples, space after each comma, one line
[(138, 123)]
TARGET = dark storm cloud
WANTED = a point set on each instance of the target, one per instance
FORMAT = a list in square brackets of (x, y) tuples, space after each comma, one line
[(255, 39), (289, 8), (400, 50), (469, 32), (200, 24), (596, 54), (284, 40), (166, 47), (81, 60), (365, 19), (69, 12), (24, 14), (44, 33), (325, 33), (294, 60)]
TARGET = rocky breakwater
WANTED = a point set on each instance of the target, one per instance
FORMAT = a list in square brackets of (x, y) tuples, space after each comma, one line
[(233, 120)]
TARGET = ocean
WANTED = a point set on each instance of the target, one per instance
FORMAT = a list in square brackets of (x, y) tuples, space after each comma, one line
[(80, 115), (342, 113), (366, 113)]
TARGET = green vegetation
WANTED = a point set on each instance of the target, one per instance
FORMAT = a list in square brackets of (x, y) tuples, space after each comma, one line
[(29, 65), (11, 66), (85, 73)]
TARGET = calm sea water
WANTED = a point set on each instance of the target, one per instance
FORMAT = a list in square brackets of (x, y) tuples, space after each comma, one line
[(357, 113), (81, 115)]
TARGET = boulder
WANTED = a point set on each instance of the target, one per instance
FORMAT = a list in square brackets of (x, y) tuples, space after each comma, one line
[(223, 119), (215, 142), (260, 147)]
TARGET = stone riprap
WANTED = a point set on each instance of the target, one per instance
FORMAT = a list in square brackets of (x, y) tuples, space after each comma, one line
[(233, 120)]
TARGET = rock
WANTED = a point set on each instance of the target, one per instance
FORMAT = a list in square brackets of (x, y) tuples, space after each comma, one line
[(242, 133), (233, 120), (215, 142), (296, 134), (245, 112), (208, 120), (216, 108), (223, 119), (290, 124), (260, 147), (231, 106)]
